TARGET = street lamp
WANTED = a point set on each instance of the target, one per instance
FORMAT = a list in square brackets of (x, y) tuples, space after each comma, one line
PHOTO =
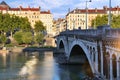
[(109, 17), (87, 13)]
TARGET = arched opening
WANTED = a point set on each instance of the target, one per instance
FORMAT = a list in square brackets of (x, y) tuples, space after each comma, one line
[(61, 46), (78, 56), (93, 54), (107, 65), (114, 65)]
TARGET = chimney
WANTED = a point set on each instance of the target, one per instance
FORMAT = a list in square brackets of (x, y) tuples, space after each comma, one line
[(105, 7), (95, 9), (48, 11), (20, 7)]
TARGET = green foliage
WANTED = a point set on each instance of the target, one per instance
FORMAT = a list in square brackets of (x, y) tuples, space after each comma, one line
[(116, 22), (39, 27), (3, 39), (11, 22), (27, 37), (39, 38), (103, 20), (18, 37), (25, 24), (23, 37)]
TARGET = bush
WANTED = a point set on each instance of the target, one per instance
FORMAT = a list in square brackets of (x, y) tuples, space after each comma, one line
[(18, 37)]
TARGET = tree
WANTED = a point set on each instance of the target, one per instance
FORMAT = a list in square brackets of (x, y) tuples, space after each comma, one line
[(100, 20), (25, 24), (39, 27), (116, 21), (39, 38), (18, 37), (3, 39), (103, 20), (27, 37)]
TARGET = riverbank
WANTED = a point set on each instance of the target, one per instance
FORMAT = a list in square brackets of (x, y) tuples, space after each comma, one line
[(29, 49)]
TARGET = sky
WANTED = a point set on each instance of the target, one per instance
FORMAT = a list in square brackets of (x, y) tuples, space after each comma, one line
[(59, 8)]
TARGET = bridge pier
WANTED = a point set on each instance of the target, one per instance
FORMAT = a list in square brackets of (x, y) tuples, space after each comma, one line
[(101, 53), (118, 69), (111, 68), (96, 60)]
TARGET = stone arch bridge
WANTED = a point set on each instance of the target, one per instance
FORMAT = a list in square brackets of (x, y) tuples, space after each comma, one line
[(99, 47)]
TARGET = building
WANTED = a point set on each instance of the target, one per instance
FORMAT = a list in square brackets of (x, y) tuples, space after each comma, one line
[(59, 26), (47, 18), (77, 18), (33, 14)]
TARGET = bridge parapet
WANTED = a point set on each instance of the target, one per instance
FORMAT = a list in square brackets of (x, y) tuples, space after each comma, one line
[(113, 33), (99, 33)]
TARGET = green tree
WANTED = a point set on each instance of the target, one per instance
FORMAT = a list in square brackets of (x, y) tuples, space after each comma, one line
[(116, 21), (39, 27), (100, 20), (27, 37), (3, 39), (103, 20), (25, 24), (39, 38), (18, 37), (5, 23)]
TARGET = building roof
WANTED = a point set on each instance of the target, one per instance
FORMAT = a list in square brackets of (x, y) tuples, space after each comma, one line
[(92, 11), (45, 12), (4, 4)]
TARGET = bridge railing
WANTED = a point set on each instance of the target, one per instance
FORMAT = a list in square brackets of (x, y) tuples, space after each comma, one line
[(101, 31), (113, 33), (80, 32)]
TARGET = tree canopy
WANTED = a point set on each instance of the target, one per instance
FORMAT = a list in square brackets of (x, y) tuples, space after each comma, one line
[(39, 27), (103, 20), (11, 22)]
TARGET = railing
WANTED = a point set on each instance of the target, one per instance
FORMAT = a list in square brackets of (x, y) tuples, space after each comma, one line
[(99, 32), (113, 33)]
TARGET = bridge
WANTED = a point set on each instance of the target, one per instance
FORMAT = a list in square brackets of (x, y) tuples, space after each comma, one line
[(99, 47)]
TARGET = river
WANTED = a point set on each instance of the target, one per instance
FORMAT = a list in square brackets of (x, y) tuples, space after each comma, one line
[(38, 66)]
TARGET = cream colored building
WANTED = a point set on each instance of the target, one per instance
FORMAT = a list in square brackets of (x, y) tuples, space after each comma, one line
[(77, 18), (33, 15), (59, 26), (47, 18)]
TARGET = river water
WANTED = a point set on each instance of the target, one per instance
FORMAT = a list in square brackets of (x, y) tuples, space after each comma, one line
[(38, 66)]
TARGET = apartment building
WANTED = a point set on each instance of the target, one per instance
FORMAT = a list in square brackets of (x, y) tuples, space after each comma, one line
[(77, 17), (47, 18), (33, 14)]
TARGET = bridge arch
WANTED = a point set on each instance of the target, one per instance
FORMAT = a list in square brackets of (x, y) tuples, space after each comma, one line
[(62, 46), (78, 46)]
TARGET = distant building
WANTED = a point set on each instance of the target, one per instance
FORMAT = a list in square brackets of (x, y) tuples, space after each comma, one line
[(33, 14), (59, 26), (77, 17)]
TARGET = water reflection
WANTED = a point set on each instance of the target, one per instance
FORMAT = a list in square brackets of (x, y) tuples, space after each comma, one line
[(4, 59), (38, 67), (29, 68)]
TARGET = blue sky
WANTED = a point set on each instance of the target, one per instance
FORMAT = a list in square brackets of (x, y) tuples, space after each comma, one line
[(59, 8)]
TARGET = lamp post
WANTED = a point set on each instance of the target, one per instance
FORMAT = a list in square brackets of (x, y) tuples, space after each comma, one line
[(87, 13), (109, 17)]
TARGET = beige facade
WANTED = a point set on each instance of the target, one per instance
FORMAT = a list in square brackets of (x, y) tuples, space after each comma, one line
[(33, 15), (59, 26), (47, 18), (77, 18)]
